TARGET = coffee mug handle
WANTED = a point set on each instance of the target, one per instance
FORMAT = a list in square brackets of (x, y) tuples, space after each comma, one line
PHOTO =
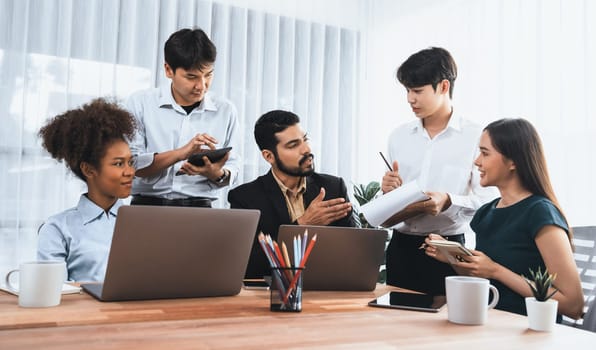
[(9, 285), (495, 296)]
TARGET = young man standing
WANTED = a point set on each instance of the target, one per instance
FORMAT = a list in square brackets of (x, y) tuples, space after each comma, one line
[(291, 192), (179, 120), (437, 150)]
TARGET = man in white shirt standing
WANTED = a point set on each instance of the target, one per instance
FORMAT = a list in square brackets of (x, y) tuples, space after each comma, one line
[(437, 151), (178, 121)]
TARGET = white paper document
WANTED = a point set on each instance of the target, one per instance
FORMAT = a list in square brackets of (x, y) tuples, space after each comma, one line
[(66, 289), (384, 207)]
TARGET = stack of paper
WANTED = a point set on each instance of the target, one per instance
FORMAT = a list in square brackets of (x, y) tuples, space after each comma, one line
[(386, 210)]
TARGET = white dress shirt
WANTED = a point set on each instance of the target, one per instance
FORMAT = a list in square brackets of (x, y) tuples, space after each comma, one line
[(164, 125), (444, 163)]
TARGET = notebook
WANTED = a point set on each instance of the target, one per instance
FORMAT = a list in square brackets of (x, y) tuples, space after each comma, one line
[(343, 258), (176, 252)]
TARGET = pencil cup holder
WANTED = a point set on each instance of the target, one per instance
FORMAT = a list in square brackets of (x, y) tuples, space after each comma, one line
[(286, 289)]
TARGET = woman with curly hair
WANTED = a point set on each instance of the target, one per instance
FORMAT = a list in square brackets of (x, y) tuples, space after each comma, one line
[(92, 141)]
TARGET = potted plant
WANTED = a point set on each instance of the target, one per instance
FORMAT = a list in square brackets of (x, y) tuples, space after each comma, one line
[(365, 194), (542, 310)]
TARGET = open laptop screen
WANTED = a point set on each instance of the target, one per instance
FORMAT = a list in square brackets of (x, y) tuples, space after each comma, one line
[(343, 258), (177, 252)]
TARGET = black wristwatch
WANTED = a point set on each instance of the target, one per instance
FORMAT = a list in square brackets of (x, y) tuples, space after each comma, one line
[(223, 177)]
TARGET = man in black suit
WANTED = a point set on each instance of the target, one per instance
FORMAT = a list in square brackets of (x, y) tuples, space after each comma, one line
[(291, 192)]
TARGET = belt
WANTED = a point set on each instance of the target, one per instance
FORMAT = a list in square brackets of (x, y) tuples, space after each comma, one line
[(201, 202)]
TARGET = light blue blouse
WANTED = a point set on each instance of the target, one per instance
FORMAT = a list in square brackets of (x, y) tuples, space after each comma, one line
[(82, 237)]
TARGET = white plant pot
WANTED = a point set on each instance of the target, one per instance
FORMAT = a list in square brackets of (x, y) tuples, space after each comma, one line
[(542, 315)]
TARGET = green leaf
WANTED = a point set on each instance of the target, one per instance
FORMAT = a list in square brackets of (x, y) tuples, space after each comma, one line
[(363, 195), (361, 200), (540, 283)]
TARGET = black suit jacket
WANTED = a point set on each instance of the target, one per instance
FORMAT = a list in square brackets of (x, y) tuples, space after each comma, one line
[(265, 195)]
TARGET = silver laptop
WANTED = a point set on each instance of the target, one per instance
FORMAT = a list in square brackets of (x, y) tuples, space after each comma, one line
[(343, 258), (177, 252)]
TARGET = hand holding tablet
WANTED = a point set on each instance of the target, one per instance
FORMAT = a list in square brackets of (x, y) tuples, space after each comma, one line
[(214, 155)]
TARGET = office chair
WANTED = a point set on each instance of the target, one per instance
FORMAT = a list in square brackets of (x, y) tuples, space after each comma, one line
[(589, 321), (584, 239)]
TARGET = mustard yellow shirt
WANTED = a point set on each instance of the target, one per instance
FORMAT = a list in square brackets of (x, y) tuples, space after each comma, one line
[(294, 198)]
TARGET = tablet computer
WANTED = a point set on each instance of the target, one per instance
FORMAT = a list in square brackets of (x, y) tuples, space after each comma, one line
[(410, 301), (454, 251), (259, 284), (214, 155)]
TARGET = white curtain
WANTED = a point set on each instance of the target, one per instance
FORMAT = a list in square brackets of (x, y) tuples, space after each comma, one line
[(333, 62), (516, 58), (56, 55)]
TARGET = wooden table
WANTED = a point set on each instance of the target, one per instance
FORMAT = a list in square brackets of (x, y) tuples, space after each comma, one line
[(328, 320)]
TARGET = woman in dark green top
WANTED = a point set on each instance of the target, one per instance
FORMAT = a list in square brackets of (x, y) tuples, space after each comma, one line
[(523, 229)]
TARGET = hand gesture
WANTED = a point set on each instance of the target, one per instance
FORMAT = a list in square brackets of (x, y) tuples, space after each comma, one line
[(431, 251), (196, 144), (323, 212), (391, 179), (479, 265), (438, 202)]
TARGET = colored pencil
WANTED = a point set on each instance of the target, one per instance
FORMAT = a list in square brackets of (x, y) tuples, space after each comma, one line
[(302, 264), (297, 250), (276, 274), (304, 242), (284, 250), (282, 261)]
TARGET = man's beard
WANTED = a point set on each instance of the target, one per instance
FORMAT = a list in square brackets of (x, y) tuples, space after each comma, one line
[(297, 171)]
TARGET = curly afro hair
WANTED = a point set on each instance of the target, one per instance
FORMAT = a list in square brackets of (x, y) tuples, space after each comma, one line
[(84, 134)]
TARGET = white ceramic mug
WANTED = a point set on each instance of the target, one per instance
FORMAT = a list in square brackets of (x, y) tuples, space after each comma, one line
[(40, 283), (467, 299)]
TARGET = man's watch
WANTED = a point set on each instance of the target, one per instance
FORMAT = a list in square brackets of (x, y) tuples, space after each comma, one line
[(223, 177)]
